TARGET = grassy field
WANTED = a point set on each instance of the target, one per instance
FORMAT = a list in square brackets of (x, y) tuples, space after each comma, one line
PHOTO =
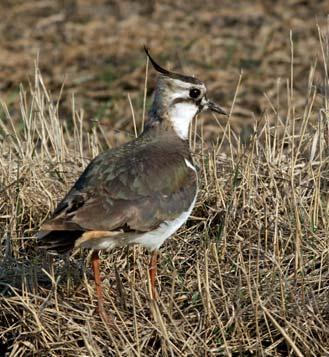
[(248, 275)]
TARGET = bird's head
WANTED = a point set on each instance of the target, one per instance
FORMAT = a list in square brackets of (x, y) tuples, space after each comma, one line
[(179, 98)]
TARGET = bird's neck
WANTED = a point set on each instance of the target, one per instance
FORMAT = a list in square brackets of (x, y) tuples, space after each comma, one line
[(159, 126), (175, 118)]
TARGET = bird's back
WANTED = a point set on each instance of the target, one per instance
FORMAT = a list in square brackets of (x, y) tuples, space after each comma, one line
[(130, 189)]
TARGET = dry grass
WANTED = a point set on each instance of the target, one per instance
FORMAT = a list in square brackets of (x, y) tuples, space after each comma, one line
[(247, 276)]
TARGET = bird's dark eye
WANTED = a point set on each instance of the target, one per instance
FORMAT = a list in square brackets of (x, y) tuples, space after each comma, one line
[(194, 93)]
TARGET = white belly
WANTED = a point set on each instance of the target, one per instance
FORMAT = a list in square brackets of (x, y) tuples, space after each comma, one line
[(154, 239)]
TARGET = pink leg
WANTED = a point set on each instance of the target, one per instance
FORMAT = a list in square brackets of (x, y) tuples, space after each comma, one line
[(95, 263), (153, 272)]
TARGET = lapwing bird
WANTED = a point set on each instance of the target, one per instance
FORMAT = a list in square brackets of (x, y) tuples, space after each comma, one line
[(140, 192)]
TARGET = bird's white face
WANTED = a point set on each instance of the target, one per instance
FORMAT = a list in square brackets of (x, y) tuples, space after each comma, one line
[(181, 115), (185, 100), (178, 98)]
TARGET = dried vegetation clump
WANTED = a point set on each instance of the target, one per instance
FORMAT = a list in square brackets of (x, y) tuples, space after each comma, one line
[(248, 274)]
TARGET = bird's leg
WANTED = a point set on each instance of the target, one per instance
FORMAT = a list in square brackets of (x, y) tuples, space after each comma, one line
[(153, 272), (95, 262)]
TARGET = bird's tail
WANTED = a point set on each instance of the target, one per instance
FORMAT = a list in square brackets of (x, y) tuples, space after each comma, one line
[(58, 241)]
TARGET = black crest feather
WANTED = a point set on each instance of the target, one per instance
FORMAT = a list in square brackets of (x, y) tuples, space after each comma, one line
[(170, 74)]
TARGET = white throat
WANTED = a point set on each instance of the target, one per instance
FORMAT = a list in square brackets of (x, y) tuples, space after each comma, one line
[(181, 115)]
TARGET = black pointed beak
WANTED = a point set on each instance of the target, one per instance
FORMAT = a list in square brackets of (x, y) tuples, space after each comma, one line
[(214, 108)]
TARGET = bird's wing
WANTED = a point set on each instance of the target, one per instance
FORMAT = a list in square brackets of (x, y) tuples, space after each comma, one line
[(134, 192)]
